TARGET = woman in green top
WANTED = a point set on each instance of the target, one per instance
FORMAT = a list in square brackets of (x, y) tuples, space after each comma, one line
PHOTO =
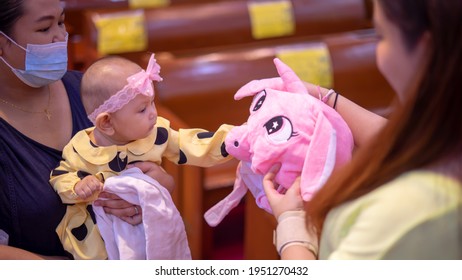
[(401, 195)]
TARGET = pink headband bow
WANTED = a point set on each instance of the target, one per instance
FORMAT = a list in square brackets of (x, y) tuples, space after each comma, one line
[(139, 83)]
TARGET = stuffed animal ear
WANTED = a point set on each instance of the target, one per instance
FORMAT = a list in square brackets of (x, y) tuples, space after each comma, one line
[(320, 158), (218, 212), (246, 180), (292, 82), (255, 86), (288, 81)]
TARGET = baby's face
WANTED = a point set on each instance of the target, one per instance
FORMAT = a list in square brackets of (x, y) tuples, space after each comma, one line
[(135, 120)]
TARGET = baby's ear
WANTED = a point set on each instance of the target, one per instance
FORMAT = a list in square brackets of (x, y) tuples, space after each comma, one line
[(103, 124)]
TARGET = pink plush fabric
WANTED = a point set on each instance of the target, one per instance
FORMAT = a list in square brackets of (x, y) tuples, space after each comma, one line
[(288, 126), (161, 235)]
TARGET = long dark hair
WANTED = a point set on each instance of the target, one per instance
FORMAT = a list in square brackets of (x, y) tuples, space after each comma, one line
[(424, 130), (10, 12)]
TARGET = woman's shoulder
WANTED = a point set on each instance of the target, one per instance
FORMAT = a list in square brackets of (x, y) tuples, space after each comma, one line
[(73, 74), (421, 205), (413, 196), (391, 212), (72, 80), (422, 184), (428, 189)]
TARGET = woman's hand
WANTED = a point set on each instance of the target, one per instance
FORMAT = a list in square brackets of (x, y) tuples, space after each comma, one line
[(156, 172), (114, 205), (280, 203)]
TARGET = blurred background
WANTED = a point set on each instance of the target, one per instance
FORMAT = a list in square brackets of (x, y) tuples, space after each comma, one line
[(207, 50)]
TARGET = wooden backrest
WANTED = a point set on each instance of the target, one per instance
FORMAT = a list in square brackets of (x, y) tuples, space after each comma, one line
[(200, 89), (208, 26), (188, 191), (78, 5)]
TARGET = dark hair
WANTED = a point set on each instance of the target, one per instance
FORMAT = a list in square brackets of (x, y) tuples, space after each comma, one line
[(10, 12), (424, 130), (411, 17)]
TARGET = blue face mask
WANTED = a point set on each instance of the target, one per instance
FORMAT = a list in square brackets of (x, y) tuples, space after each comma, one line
[(45, 63)]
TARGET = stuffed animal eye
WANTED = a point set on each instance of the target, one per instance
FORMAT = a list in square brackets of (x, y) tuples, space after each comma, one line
[(279, 129), (259, 99)]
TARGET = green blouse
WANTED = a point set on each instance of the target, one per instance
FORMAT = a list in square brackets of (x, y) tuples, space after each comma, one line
[(416, 216)]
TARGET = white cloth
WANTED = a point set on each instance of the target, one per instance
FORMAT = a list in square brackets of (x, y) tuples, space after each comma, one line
[(160, 236)]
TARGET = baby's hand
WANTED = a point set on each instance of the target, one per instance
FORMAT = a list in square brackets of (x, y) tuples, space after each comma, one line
[(88, 186)]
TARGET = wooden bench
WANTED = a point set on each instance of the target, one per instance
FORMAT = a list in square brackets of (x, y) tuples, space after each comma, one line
[(75, 10), (191, 177), (208, 26), (198, 87), (78, 5), (189, 195)]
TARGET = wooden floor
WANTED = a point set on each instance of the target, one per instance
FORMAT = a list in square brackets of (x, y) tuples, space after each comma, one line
[(246, 233), (228, 237)]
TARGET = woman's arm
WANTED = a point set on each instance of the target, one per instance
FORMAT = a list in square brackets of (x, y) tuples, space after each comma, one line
[(297, 252), (363, 123), (13, 253), (293, 240)]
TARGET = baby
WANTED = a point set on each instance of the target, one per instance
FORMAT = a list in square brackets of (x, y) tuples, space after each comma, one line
[(119, 97)]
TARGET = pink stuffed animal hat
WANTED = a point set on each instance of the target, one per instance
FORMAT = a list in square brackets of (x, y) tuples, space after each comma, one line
[(288, 126)]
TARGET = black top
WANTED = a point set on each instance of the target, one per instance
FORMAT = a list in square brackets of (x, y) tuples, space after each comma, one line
[(30, 209)]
